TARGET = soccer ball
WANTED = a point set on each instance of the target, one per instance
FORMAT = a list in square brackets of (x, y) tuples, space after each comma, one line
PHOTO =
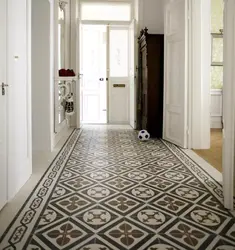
[(143, 135)]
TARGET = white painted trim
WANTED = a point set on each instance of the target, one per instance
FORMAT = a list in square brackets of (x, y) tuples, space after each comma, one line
[(216, 122), (199, 99), (219, 94), (29, 79), (114, 23), (78, 65), (229, 103), (108, 73)]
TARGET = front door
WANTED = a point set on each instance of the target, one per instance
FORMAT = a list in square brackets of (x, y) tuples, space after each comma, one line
[(94, 70), (175, 82), (3, 107)]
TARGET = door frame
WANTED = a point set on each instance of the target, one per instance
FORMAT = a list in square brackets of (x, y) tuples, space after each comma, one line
[(199, 74), (199, 87), (229, 104), (76, 29)]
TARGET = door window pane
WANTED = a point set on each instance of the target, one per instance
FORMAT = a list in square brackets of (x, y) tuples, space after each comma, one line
[(217, 50), (106, 11), (119, 53), (216, 77)]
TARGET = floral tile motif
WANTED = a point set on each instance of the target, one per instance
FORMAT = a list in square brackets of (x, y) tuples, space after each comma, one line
[(96, 218), (99, 175), (127, 235), (133, 163), (205, 218), (187, 235), (122, 204), (137, 175), (106, 190), (50, 216), (66, 175), (63, 235), (77, 183), (143, 193), (171, 204), (152, 218), (72, 204), (98, 192), (188, 193), (159, 183), (61, 191), (174, 176), (120, 183)]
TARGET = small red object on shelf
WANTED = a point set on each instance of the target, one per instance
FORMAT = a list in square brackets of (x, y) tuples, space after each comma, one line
[(68, 72)]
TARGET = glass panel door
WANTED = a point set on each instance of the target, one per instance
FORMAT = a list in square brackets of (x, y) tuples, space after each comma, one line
[(94, 69)]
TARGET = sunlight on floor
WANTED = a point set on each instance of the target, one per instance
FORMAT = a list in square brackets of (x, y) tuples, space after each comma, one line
[(214, 154)]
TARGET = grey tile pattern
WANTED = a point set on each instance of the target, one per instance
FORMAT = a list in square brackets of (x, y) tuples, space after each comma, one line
[(109, 191)]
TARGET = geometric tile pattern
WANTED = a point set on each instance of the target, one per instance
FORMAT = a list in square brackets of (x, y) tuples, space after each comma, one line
[(107, 190)]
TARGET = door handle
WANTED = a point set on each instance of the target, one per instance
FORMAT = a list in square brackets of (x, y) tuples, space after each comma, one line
[(101, 79), (3, 88)]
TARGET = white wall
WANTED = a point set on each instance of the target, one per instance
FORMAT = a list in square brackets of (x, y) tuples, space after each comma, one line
[(42, 74), (152, 15)]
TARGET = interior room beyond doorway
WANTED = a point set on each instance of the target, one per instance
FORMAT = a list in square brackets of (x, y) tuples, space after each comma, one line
[(214, 154)]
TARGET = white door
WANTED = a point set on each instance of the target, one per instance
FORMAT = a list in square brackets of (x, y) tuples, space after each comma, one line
[(94, 69), (3, 107), (175, 75), (19, 138), (119, 75), (132, 75)]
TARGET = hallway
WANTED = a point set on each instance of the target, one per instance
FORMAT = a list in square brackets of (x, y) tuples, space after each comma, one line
[(106, 190)]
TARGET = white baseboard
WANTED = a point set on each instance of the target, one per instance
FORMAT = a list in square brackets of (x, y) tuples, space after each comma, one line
[(216, 122)]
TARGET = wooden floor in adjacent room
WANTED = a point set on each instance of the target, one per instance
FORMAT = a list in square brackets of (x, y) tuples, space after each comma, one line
[(214, 154)]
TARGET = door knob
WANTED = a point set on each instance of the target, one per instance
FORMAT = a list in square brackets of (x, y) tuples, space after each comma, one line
[(101, 79), (3, 88)]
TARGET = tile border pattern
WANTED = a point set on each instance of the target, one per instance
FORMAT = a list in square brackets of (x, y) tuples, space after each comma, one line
[(208, 181)]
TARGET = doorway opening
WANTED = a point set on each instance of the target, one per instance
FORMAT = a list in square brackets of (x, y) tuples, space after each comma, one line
[(213, 155), (106, 62)]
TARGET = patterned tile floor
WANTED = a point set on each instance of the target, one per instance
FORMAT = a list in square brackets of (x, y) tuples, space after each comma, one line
[(108, 191)]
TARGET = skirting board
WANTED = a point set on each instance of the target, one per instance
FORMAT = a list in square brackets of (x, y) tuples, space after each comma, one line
[(216, 122)]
